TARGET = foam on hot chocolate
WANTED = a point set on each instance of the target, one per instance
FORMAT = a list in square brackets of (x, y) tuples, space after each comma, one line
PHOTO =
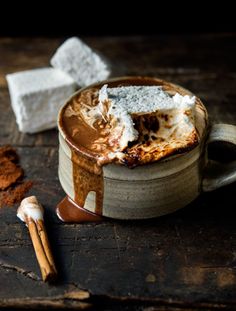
[(133, 124)]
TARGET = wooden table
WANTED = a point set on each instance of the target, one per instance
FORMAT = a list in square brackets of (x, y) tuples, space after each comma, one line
[(181, 261)]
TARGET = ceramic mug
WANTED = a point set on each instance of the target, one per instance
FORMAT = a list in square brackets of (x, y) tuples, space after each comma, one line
[(158, 188)]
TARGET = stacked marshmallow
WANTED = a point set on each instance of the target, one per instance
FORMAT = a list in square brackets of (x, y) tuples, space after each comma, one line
[(37, 95)]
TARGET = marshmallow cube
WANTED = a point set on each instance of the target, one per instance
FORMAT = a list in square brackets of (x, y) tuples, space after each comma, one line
[(37, 95), (80, 62)]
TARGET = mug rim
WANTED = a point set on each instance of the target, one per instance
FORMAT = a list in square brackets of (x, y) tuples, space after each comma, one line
[(123, 78)]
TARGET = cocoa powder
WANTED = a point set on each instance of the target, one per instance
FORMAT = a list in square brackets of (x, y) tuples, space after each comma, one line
[(16, 194), (12, 186)]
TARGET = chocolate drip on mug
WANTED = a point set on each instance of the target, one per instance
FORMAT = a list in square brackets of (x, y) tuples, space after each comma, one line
[(87, 176), (69, 211)]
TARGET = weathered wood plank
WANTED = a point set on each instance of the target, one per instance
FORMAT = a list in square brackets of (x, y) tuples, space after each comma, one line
[(175, 256)]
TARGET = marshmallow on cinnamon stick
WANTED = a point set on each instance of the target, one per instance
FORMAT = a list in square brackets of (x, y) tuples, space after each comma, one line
[(30, 211)]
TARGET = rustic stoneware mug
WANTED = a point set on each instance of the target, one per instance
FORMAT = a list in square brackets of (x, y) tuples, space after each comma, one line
[(159, 188)]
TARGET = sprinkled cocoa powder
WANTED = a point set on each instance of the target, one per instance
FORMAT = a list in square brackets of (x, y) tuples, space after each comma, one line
[(10, 172), (16, 194), (12, 186)]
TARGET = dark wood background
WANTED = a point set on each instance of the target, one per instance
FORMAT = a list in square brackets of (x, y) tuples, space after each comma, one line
[(185, 260)]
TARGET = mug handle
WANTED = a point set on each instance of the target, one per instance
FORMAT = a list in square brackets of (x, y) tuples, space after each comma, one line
[(220, 174)]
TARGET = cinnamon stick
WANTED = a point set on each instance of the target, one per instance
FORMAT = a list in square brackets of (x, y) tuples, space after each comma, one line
[(31, 212)]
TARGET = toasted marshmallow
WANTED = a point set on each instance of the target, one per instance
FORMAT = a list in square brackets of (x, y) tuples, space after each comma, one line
[(127, 101), (133, 125)]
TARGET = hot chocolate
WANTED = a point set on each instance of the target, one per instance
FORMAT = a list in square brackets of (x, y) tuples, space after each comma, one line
[(129, 122), (131, 125)]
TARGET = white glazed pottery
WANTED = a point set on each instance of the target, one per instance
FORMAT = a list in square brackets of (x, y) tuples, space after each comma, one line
[(159, 188)]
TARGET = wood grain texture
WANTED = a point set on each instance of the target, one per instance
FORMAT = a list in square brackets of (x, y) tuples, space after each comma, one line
[(185, 260)]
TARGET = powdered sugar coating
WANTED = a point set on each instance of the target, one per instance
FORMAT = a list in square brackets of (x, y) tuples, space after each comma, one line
[(78, 60)]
